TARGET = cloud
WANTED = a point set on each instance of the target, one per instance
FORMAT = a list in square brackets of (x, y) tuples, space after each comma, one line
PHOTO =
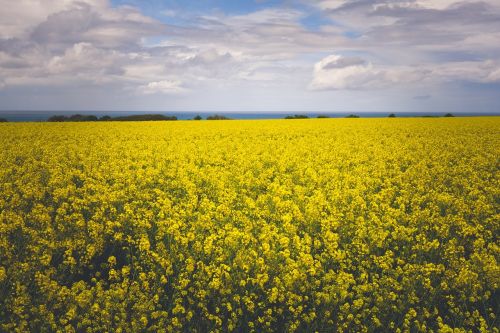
[(162, 87), (422, 97), (86, 59), (336, 72), (94, 43), (334, 62), (20, 17), (416, 24), (493, 75), (101, 26), (68, 41)]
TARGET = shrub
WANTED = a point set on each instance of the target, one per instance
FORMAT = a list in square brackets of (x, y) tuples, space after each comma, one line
[(75, 117), (145, 117), (217, 117)]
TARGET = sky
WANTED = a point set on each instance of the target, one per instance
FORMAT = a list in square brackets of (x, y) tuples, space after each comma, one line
[(250, 55)]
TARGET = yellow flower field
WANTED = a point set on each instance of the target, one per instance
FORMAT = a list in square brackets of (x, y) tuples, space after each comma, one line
[(327, 225)]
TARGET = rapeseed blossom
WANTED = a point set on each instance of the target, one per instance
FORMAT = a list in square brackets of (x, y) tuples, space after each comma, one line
[(331, 225)]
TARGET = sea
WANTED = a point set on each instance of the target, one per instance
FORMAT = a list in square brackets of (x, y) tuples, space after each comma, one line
[(40, 116)]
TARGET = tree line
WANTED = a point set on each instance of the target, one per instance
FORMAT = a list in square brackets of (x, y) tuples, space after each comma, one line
[(160, 117), (392, 115), (141, 117)]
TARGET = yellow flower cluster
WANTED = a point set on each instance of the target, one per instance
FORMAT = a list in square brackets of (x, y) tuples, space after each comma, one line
[(331, 225)]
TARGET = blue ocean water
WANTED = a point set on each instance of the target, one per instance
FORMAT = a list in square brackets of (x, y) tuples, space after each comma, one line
[(37, 116)]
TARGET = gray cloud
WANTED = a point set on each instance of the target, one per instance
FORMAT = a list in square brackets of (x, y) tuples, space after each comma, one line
[(416, 24), (344, 62), (422, 26), (422, 97), (336, 72), (123, 28)]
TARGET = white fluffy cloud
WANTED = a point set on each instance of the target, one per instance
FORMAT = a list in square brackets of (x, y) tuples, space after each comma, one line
[(162, 87), (20, 17), (337, 72)]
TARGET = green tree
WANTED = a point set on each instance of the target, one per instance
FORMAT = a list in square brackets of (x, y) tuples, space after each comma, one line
[(217, 117)]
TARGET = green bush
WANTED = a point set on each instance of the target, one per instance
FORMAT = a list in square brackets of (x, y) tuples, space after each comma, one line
[(218, 117)]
